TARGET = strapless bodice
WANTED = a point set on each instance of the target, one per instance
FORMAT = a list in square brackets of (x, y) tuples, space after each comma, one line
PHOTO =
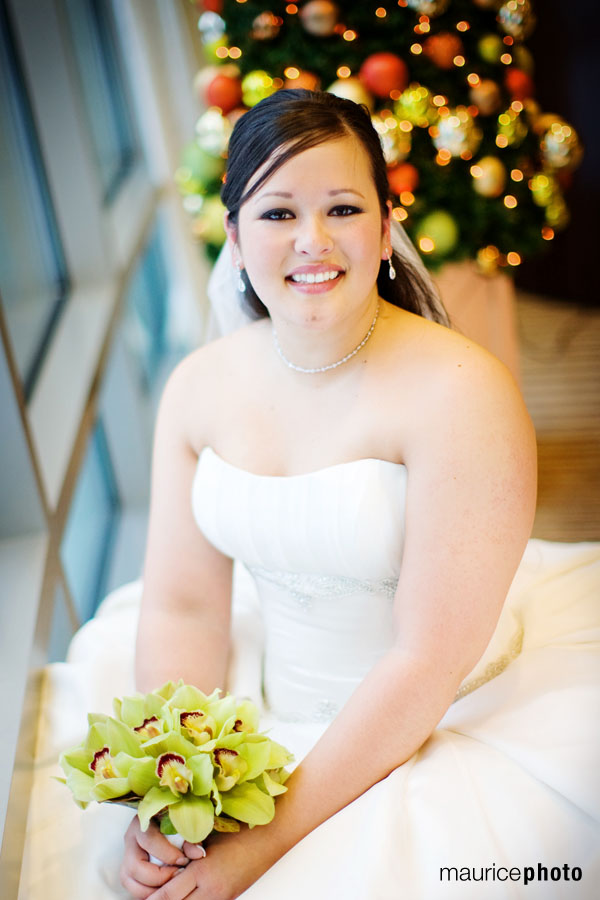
[(325, 550)]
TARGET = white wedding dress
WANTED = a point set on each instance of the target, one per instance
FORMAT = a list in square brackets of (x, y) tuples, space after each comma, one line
[(509, 780)]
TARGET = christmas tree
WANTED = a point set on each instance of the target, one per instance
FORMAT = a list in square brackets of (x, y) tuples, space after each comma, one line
[(476, 169)]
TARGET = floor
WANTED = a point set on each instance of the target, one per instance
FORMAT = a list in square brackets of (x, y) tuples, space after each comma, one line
[(560, 373)]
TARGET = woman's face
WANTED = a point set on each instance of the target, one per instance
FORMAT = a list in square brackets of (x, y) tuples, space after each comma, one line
[(312, 237)]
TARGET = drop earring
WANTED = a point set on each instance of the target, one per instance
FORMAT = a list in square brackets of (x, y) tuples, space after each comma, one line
[(241, 283), (392, 271)]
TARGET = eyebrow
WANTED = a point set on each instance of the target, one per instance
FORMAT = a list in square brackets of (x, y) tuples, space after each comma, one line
[(288, 195)]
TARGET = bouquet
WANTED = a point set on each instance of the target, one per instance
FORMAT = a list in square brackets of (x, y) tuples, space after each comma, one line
[(195, 762)]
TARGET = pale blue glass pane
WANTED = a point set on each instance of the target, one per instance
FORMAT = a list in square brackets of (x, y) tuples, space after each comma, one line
[(88, 537), (61, 630), (33, 279), (146, 311), (104, 90)]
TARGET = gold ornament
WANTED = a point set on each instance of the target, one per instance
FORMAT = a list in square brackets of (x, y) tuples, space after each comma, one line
[(489, 176), (415, 105), (517, 18), (395, 142), (457, 133), (559, 143), (351, 89), (486, 96)]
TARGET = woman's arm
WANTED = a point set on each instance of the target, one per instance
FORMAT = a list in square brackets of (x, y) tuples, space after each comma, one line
[(470, 506), (184, 625)]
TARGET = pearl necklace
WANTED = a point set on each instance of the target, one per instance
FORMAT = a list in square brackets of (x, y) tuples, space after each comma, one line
[(334, 365)]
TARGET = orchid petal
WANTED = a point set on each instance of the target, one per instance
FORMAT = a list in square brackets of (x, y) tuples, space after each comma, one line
[(109, 788), (142, 775), (97, 736), (193, 818), (257, 756), (132, 710), (188, 699), (225, 824), (247, 803), (78, 758), (171, 742), (121, 738), (278, 756), (80, 785), (202, 767), (273, 787), (156, 799), (215, 796)]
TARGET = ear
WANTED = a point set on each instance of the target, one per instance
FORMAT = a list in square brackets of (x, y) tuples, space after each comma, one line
[(386, 235), (232, 238)]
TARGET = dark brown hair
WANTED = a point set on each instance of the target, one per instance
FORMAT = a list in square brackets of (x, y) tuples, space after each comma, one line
[(284, 125)]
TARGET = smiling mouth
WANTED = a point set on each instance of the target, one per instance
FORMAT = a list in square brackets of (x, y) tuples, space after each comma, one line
[(314, 277)]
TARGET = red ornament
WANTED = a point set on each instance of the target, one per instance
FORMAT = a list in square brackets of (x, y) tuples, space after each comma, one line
[(224, 92), (215, 6), (404, 177), (442, 48), (382, 73), (519, 84)]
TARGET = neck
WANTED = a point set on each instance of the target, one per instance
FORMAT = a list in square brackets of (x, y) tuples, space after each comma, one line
[(320, 345)]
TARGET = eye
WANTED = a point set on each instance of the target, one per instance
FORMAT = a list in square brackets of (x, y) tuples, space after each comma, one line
[(344, 209), (275, 215)]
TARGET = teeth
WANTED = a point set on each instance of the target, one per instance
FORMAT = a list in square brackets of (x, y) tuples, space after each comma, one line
[(311, 278)]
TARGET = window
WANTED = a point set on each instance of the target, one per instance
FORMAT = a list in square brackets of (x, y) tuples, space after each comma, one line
[(33, 277), (90, 529), (103, 85)]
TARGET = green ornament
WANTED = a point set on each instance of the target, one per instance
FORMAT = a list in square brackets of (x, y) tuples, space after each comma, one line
[(544, 188), (437, 233), (256, 86), (201, 165), (490, 48), (415, 105), (209, 224), (210, 49), (511, 129), (213, 131)]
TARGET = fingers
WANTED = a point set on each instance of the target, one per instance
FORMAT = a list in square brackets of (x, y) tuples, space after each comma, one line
[(183, 885), (193, 851), (138, 875)]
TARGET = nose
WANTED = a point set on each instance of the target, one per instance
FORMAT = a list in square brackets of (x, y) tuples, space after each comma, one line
[(313, 237)]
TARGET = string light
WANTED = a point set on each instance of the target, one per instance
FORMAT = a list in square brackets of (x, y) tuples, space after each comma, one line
[(439, 100), (291, 9), (476, 171), (501, 141), (405, 125), (443, 157), (380, 12), (547, 233), (343, 72), (513, 258), (407, 198), (506, 58), (349, 35), (426, 245), (508, 40), (517, 106), (400, 214), (459, 61), (510, 202), (291, 72), (516, 175), (462, 26), (416, 49), (235, 52), (222, 52), (473, 79)]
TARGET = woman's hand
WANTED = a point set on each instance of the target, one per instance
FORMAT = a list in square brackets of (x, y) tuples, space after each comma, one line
[(141, 877)]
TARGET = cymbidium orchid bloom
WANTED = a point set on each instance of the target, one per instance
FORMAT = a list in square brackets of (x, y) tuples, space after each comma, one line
[(198, 726), (150, 728), (173, 773), (231, 767)]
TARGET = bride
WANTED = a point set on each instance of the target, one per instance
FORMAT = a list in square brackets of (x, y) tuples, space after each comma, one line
[(376, 473)]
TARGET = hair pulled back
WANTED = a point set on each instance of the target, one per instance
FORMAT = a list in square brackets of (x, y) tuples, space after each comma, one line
[(284, 125)]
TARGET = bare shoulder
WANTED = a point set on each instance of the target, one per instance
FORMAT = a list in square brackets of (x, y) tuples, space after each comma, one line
[(459, 389), (199, 387)]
